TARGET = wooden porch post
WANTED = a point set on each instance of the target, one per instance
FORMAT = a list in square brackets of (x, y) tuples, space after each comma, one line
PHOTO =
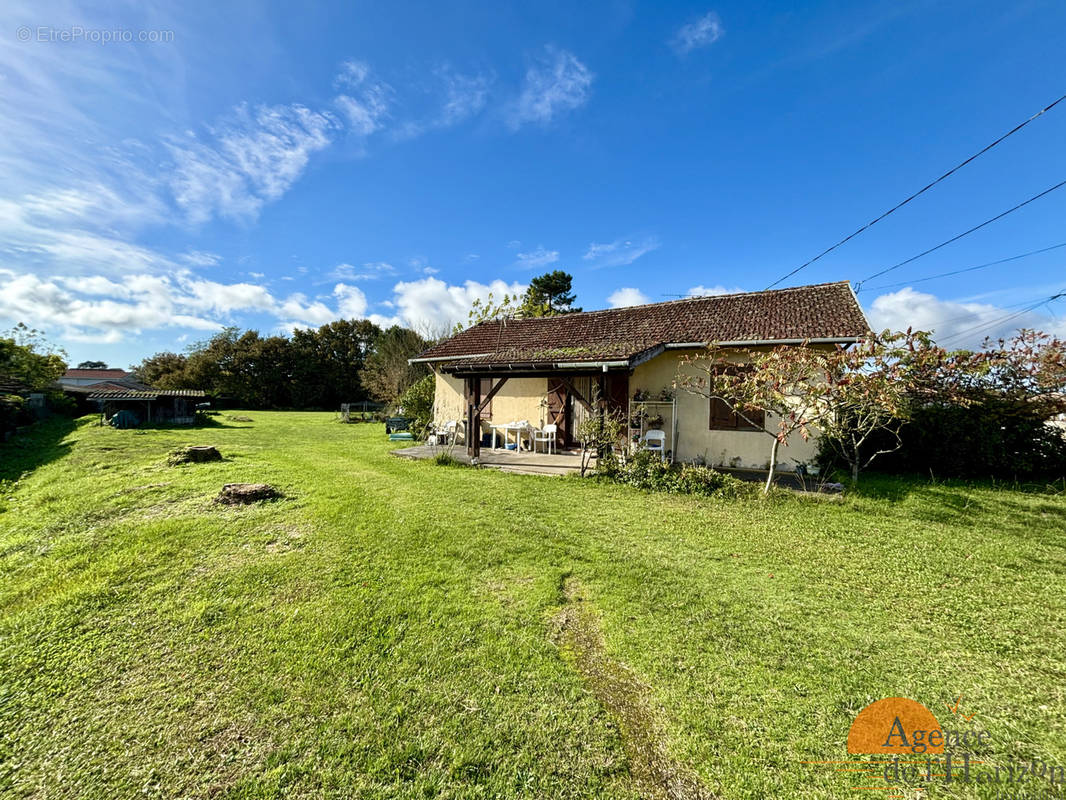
[(473, 419)]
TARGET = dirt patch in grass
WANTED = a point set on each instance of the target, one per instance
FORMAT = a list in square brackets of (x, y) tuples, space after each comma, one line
[(235, 494), (195, 454), (576, 631)]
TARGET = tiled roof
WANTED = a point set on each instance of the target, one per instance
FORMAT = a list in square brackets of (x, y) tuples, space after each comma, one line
[(99, 374), (121, 385), (827, 311), (151, 394)]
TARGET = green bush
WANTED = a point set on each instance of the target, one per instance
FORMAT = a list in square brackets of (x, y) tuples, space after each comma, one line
[(13, 412), (417, 402), (61, 403), (648, 471), (994, 439)]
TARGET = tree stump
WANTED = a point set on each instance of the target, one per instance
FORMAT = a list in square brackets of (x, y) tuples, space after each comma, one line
[(234, 494), (195, 454)]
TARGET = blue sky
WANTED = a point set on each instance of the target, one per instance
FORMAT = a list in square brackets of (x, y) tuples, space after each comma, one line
[(273, 165)]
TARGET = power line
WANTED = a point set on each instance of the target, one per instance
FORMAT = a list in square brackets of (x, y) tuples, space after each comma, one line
[(967, 269), (970, 314), (996, 322), (921, 191), (1060, 184)]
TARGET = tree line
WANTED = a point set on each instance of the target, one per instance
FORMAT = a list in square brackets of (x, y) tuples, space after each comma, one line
[(345, 361)]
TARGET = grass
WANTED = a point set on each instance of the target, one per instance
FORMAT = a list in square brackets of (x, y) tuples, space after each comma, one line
[(386, 630)]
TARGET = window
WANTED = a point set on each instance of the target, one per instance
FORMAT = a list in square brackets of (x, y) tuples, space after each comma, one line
[(722, 418)]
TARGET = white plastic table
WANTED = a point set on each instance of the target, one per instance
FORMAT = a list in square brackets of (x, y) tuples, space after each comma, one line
[(507, 427)]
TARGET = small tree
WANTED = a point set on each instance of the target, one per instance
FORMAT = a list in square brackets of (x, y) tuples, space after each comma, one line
[(849, 393), (92, 365), (776, 381), (599, 432), (488, 309), (417, 402), (871, 388), (386, 373)]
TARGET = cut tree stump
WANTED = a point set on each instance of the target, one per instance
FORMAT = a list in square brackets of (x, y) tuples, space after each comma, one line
[(195, 454), (233, 494)]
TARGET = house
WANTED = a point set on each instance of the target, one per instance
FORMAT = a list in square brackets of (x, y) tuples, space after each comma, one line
[(87, 377), (550, 369), (170, 406)]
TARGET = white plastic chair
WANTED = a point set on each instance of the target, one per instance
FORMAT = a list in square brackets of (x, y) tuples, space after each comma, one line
[(655, 442), (444, 432), (448, 431), (547, 435)]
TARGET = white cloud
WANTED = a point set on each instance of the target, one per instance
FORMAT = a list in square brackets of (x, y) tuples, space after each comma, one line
[(627, 296), (352, 74), (557, 83), (369, 271), (221, 298), (97, 308), (620, 252), (363, 102), (200, 258), (249, 160), (711, 291), (464, 95), (537, 258), (431, 304), (699, 33), (955, 324), (351, 302)]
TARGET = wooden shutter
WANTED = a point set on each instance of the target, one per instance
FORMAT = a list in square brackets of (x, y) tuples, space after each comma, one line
[(722, 417), (758, 417)]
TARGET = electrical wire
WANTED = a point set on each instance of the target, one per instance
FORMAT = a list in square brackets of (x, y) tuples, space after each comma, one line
[(1059, 185), (964, 269), (997, 322), (921, 191)]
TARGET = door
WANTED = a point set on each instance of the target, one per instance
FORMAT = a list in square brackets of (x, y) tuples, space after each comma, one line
[(559, 411), (618, 393)]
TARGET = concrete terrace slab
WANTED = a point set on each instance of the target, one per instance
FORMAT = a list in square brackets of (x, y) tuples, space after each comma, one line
[(526, 463)]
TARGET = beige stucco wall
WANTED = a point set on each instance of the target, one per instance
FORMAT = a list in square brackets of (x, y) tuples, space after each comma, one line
[(520, 398), (695, 440)]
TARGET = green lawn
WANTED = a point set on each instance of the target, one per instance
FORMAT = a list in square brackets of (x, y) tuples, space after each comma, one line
[(391, 628)]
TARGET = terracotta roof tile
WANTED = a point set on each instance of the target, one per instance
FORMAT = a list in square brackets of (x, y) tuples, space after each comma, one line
[(151, 394), (823, 311), (100, 374)]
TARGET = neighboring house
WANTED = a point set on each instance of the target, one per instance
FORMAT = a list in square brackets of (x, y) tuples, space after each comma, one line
[(549, 369), (173, 406), (86, 377)]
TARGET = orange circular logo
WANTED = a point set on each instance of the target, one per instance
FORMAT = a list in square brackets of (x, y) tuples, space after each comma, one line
[(895, 726)]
